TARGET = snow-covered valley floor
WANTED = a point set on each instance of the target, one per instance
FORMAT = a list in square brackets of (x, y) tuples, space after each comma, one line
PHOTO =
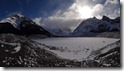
[(78, 48)]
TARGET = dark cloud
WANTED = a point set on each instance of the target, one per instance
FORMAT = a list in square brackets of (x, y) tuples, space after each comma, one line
[(61, 23)]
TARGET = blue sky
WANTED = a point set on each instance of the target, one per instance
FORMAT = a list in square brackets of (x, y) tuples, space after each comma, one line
[(41, 8), (32, 8)]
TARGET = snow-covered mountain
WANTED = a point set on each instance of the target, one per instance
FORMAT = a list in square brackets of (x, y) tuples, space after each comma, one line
[(19, 24), (94, 25)]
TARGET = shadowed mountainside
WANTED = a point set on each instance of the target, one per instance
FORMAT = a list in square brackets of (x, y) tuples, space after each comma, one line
[(21, 25)]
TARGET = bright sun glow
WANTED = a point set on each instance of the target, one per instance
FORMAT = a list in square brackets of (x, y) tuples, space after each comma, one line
[(85, 12)]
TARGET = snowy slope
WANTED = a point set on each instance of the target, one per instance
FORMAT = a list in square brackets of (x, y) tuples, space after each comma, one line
[(97, 25), (15, 20), (23, 24)]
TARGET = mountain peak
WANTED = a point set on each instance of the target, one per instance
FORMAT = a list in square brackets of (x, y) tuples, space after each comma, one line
[(21, 23), (94, 25), (94, 17), (105, 18), (15, 19), (16, 15)]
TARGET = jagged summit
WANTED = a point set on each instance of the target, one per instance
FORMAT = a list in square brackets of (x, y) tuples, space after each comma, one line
[(16, 19), (17, 15), (19, 24), (94, 25), (105, 18), (116, 20)]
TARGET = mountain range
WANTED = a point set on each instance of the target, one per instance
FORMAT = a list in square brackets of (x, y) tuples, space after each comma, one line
[(94, 25), (21, 25)]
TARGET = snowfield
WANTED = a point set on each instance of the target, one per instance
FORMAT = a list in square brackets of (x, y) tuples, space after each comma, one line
[(78, 48)]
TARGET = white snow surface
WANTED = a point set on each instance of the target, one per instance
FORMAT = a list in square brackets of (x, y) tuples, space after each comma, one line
[(76, 48), (14, 20)]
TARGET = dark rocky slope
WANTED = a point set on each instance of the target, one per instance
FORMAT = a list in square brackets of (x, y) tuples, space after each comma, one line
[(21, 25), (108, 56)]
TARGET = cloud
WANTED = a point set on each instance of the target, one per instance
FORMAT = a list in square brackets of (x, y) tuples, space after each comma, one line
[(62, 23), (71, 17), (99, 8), (38, 20), (112, 1), (111, 8), (58, 22)]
